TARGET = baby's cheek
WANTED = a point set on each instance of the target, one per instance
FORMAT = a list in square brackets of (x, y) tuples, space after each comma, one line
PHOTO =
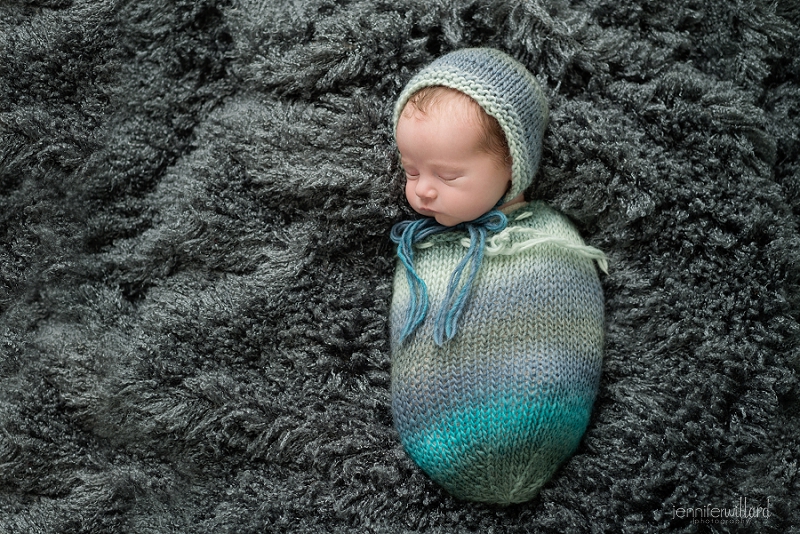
[(483, 201), (473, 207), (409, 190)]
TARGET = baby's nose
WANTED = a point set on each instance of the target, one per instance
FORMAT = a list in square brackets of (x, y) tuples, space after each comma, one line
[(425, 188)]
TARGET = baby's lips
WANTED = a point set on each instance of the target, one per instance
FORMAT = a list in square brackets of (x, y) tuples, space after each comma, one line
[(425, 211)]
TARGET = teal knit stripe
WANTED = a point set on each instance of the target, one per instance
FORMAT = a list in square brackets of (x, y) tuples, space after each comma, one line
[(421, 392), (474, 448), (475, 420)]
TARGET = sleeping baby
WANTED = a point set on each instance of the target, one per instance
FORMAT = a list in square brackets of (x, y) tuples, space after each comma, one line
[(497, 311)]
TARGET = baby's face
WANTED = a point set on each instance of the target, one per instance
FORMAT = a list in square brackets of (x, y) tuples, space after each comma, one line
[(449, 175)]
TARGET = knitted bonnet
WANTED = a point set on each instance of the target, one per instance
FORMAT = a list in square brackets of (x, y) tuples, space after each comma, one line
[(506, 90)]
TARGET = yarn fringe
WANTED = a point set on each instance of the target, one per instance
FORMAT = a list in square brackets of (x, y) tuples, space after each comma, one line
[(407, 234)]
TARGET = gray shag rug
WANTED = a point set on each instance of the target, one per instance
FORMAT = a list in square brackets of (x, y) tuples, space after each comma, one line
[(195, 201)]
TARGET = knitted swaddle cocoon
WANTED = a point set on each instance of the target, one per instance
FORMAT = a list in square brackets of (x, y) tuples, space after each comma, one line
[(492, 413)]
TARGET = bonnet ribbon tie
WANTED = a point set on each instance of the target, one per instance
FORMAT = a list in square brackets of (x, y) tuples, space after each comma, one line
[(406, 234)]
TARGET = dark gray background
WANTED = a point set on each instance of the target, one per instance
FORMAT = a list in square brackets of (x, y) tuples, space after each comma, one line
[(195, 200)]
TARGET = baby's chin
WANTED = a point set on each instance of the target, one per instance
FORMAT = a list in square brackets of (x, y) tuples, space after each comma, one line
[(447, 220)]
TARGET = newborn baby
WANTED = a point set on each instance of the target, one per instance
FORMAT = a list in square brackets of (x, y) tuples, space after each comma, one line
[(497, 311)]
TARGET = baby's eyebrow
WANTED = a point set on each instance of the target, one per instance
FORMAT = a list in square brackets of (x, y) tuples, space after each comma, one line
[(455, 169)]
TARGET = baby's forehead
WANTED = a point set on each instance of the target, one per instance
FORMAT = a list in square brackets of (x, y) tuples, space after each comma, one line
[(444, 101)]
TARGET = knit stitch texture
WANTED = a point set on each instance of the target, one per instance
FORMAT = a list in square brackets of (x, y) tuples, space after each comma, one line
[(506, 90), (492, 414)]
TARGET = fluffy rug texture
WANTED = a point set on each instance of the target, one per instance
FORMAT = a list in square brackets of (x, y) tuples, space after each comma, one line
[(195, 202)]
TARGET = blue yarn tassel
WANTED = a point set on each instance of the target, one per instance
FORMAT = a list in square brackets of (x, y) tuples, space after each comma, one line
[(406, 234)]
